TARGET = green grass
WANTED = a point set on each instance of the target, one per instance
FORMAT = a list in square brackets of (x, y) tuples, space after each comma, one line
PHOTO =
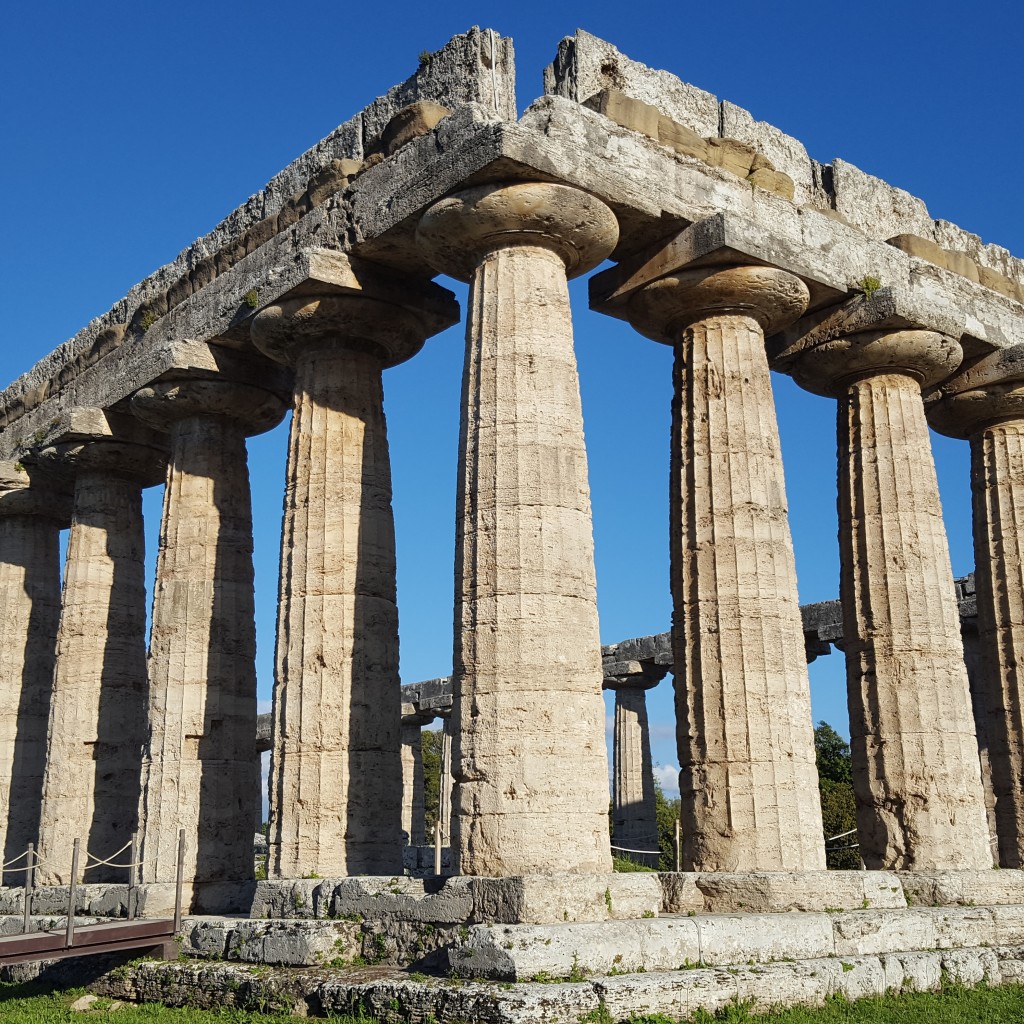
[(26, 1004)]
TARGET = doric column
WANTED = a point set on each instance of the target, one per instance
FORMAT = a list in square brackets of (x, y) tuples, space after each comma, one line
[(336, 769), (413, 807), (992, 418), (634, 811), (98, 722), (916, 772), (531, 781), (748, 784), (199, 767), (31, 515)]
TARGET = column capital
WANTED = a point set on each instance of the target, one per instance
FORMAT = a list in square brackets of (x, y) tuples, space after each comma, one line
[(664, 308), (363, 308), (637, 675), (827, 367), (967, 413), (164, 403), (25, 494), (458, 232)]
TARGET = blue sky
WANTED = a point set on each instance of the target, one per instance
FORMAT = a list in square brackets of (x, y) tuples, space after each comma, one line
[(130, 129)]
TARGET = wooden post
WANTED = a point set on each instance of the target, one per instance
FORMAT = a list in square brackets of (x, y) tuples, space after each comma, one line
[(179, 880), (679, 846), (26, 925), (133, 874), (69, 939)]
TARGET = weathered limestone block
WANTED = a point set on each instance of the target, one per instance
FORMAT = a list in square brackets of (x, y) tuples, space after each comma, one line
[(98, 713), (873, 206), (916, 770), (586, 65), (31, 515), (634, 814), (336, 773), (746, 749), (530, 764), (199, 766), (992, 418)]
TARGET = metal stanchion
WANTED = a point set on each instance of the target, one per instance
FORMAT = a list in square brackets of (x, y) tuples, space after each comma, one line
[(26, 925), (679, 846), (437, 847), (179, 880), (69, 939)]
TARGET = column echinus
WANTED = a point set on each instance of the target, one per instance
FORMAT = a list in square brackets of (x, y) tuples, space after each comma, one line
[(199, 767), (32, 513), (748, 782), (336, 767), (98, 712), (986, 406), (634, 809), (916, 770), (530, 764)]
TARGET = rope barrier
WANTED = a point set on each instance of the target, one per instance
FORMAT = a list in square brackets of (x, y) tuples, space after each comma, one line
[(4, 867), (626, 849), (96, 862), (842, 835)]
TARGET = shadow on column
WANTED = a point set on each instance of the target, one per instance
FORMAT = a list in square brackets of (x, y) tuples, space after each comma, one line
[(373, 828), (122, 713), (225, 756), (28, 759)]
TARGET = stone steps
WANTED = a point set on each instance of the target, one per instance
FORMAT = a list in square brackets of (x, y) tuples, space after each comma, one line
[(391, 996)]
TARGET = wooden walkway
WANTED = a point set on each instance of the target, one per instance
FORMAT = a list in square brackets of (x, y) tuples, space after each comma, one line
[(155, 937)]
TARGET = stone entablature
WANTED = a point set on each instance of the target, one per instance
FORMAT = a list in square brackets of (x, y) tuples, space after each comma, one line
[(651, 187)]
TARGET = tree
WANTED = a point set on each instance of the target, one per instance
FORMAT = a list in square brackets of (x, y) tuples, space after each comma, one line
[(430, 740), (838, 806)]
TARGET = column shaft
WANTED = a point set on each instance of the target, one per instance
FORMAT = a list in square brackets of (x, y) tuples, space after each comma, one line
[(748, 784), (30, 611), (98, 713), (413, 807), (530, 762), (997, 480), (200, 770), (634, 811), (336, 785), (915, 755)]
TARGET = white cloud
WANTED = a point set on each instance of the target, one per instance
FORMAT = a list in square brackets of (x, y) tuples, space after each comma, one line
[(668, 776)]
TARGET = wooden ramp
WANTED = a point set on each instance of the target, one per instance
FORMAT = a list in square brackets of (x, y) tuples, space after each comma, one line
[(155, 937)]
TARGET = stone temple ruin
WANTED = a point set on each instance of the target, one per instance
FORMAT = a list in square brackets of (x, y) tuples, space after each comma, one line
[(735, 248)]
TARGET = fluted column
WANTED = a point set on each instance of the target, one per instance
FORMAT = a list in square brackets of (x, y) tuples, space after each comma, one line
[(634, 811), (336, 770), (98, 725), (199, 767), (748, 784), (413, 808), (916, 771), (992, 417), (531, 782), (31, 515), (977, 667)]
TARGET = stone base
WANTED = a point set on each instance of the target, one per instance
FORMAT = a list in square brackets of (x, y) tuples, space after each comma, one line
[(388, 994)]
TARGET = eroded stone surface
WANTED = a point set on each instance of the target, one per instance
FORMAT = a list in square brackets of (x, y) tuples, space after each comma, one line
[(30, 520), (527, 649)]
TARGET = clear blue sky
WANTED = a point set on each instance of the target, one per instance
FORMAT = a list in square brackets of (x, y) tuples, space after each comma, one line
[(131, 129)]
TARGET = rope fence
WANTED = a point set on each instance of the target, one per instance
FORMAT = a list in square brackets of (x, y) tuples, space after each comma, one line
[(34, 861)]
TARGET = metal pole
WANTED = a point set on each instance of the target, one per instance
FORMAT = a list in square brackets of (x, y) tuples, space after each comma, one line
[(26, 925), (178, 881), (437, 847), (69, 938), (679, 846), (133, 872)]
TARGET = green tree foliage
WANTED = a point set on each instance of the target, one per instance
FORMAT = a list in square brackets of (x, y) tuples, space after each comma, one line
[(667, 811), (838, 807), (431, 741)]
